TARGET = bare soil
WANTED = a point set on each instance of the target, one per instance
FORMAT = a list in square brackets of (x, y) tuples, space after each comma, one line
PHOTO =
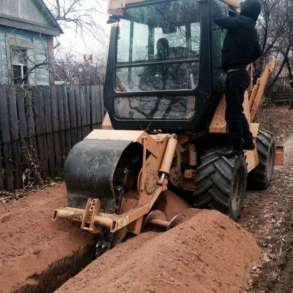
[(160, 263), (269, 214), (37, 255), (208, 253)]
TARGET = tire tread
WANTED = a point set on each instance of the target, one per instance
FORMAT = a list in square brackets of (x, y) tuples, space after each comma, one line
[(213, 180), (257, 179)]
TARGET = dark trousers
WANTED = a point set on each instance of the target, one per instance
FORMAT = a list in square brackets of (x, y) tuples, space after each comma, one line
[(236, 84)]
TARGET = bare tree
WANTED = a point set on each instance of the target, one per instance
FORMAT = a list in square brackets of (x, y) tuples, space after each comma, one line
[(82, 14), (275, 28), (69, 70)]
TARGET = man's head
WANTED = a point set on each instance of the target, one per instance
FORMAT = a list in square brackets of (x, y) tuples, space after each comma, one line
[(163, 48), (251, 9)]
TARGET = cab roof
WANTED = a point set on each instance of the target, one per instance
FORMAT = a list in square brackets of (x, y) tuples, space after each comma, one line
[(116, 6)]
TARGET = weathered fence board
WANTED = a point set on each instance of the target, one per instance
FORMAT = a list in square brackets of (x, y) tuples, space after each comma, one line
[(39, 126), (1, 171), (20, 99), (6, 138), (14, 131), (4, 116)]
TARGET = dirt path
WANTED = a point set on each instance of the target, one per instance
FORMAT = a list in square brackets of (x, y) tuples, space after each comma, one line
[(208, 253), (289, 151), (268, 215), (37, 255)]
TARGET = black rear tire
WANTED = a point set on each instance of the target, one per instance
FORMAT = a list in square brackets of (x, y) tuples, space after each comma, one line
[(221, 182), (261, 177)]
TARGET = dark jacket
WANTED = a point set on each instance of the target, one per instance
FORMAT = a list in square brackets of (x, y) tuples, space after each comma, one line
[(241, 45)]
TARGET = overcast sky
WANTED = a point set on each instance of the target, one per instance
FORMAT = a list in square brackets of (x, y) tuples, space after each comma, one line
[(80, 43)]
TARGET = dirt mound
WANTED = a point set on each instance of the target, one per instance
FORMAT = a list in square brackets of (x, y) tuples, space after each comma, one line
[(37, 255), (208, 253)]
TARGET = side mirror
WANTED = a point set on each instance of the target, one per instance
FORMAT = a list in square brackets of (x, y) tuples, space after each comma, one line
[(113, 19)]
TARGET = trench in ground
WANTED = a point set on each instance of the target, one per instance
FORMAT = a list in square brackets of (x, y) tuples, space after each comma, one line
[(57, 273)]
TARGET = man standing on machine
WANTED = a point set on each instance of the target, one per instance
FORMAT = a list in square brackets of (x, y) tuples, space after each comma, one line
[(241, 47)]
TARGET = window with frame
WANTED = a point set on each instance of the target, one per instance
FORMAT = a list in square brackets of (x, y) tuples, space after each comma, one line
[(158, 47), (19, 65)]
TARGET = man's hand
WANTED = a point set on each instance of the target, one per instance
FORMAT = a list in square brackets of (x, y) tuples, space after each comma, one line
[(232, 11), (220, 10), (234, 3)]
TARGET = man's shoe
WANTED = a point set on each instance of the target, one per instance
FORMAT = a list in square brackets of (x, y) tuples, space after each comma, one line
[(248, 145), (231, 153)]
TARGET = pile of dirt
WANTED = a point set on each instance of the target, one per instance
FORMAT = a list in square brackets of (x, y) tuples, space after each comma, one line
[(37, 255), (208, 253)]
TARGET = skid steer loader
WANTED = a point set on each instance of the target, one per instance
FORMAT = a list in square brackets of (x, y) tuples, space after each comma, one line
[(165, 128)]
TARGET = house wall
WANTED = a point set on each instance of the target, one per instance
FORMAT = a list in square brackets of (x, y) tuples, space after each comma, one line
[(37, 49), (22, 9)]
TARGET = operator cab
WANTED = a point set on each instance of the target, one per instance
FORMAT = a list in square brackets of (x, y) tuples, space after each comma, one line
[(162, 61)]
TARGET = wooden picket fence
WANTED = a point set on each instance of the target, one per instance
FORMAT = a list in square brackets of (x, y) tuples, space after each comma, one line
[(39, 126)]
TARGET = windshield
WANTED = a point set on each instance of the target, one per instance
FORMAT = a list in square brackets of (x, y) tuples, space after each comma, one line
[(158, 47)]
